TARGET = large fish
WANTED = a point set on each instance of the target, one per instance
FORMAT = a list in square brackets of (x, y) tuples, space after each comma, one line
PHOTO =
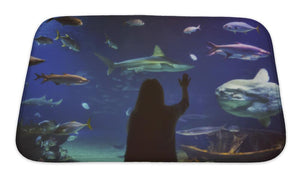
[(72, 127), (68, 79), (67, 20), (41, 102), (253, 98), (35, 61), (68, 42), (158, 62), (241, 27), (238, 51), (200, 130)]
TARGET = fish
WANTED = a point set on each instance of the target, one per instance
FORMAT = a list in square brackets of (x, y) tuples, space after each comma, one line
[(240, 27), (191, 29), (71, 138), (47, 126), (128, 111), (188, 117), (67, 79), (193, 57), (35, 61), (200, 130), (37, 114), (255, 98), (68, 42), (110, 43), (72, 127), (238, 51), (46, 123), (158, 62), (42, 40), (42, 101), (67, 20), (135, 22), (85, 106)]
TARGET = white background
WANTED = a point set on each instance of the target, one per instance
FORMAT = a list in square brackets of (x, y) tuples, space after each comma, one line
[(19, 21)]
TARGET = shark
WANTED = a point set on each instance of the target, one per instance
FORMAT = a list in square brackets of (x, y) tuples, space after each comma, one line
[(41, 102), (255, 98), (158, 62)]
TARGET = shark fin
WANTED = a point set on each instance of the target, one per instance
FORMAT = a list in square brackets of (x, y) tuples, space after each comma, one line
[(67, 35), (107, 62), (50, 100), (262, 76), (158, 51), (265, 121), (257, 29), (44, 97), (63, 45)]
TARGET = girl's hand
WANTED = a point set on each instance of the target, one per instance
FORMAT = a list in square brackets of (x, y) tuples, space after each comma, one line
[(185, 80)]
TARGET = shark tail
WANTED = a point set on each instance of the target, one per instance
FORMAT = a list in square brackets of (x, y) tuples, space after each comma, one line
[(107, 62), (57, 35), (212, 48), (198, 27), (89, 124), (41, 76)]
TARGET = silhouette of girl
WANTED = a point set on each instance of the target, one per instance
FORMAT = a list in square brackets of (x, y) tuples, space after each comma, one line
[(151, 127)]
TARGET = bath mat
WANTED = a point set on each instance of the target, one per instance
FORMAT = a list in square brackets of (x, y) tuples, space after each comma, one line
[(151, 88)]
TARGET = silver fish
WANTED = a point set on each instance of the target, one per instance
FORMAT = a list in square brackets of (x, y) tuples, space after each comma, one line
[(72, 127), (135, 22), (240, 27), (191, 29), (42, 40), (41, 102), (200, 130)]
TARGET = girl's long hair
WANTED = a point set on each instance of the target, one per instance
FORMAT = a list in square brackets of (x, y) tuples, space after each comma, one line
[(151, 96)]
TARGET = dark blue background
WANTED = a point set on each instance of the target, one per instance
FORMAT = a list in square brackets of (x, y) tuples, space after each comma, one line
[(108, 102)]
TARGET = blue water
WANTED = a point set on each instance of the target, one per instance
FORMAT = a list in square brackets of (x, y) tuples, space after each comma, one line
[(107, 95)]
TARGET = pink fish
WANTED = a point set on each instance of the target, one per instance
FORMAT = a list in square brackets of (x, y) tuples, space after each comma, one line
[(238, 51)]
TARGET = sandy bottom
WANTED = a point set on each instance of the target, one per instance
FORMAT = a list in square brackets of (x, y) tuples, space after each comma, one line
[(90, 152)]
